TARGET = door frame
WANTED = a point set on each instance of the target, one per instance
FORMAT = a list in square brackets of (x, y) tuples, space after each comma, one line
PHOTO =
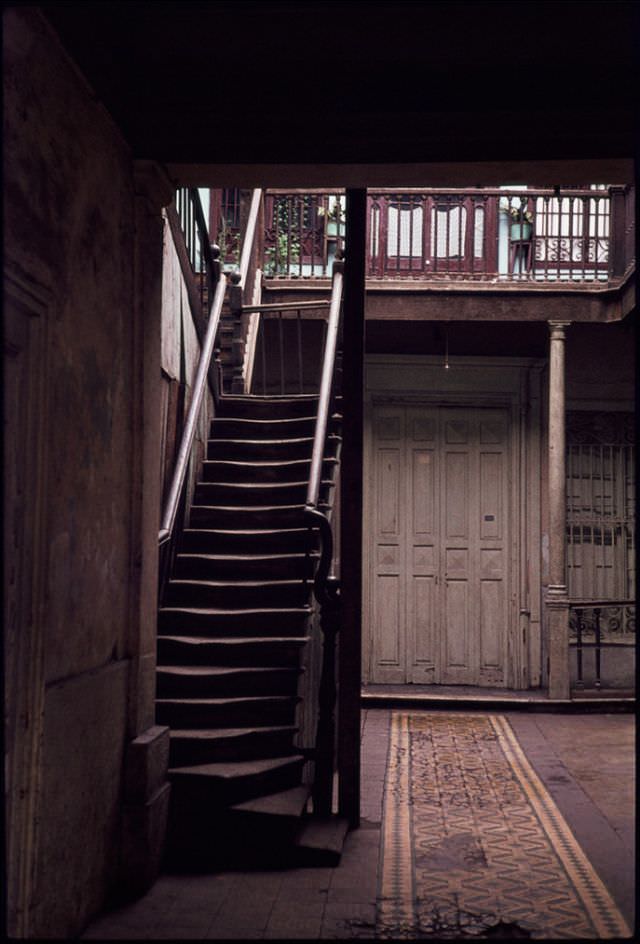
[(507, 382)]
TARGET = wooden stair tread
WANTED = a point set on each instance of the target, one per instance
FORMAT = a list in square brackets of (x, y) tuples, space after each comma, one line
[(230, 700), (216, 733), (238, 584), (298, 506), (248, 486), (297, 555), (239, 768), (217, 611), (217, 670), (320, 840), (245, 531), (266, 463), (285, 803), (235, 640)]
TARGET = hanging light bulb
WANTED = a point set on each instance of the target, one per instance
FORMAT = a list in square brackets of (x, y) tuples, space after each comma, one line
[(446, 350)]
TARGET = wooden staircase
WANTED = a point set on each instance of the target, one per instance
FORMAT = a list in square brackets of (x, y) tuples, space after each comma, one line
[(232, 630)]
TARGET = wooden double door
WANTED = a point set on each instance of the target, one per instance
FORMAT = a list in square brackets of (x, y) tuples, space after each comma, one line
[(439, 545)]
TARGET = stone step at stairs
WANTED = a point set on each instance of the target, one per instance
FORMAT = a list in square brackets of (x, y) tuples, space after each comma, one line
[(248, 516), (231, 593), (245, 566), (239, 450), (215, 622), (233, 625), (231, 650), (256, 472), (175, 681), (238, 494), (248, 540), (194, 713)]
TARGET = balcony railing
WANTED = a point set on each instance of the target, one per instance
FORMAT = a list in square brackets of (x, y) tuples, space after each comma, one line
[(486, 235), (602, 636)]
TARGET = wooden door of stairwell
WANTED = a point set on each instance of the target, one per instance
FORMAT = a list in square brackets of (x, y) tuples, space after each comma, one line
[(440, 561)]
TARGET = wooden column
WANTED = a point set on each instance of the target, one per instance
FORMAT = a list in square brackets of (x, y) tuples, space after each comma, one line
[(557, 601), (350, 636)]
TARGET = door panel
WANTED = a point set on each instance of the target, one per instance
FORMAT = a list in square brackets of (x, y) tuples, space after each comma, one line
[(388, 634), (441, 559), (421, 539)]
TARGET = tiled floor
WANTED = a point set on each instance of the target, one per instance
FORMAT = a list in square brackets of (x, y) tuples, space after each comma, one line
[(587, 763)]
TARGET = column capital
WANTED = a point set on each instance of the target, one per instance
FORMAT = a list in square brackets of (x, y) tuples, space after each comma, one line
[(557, 329)]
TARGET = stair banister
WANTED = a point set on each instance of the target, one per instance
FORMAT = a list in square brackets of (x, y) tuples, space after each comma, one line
[(239, 286), (168, 520), (326, 588)]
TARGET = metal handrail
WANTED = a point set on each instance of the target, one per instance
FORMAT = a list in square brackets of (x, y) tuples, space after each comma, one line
[(249, 237), (186, 443), (311, 510)]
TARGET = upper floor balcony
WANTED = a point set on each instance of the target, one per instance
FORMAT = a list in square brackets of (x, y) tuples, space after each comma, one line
[(498, 238)]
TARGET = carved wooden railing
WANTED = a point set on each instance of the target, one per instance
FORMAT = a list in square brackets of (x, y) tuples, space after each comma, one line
[(560, 236), (206, 286), (326, 585)]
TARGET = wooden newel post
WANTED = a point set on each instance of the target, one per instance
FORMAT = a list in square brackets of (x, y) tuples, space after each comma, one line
[(326, 731), (236, 292)]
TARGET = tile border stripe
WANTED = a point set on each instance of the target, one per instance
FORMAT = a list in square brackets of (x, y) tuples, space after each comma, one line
[(596, 899)]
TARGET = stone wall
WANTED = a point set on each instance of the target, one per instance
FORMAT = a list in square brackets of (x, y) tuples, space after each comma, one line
[(79, 639)]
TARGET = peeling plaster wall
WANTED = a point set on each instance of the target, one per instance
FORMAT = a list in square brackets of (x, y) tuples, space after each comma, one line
[(180, 354), (69, 227)]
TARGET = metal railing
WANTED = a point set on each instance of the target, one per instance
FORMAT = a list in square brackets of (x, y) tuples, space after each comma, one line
[(326, 586), (597, 625), (206, 288), (240, 294), (542, 236)]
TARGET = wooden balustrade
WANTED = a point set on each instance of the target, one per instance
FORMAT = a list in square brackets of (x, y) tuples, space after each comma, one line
[(542, 236)]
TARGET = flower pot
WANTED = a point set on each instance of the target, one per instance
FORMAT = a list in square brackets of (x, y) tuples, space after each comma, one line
[(521, 231)]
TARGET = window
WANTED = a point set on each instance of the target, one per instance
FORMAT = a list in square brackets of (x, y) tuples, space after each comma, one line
[(600, 506)]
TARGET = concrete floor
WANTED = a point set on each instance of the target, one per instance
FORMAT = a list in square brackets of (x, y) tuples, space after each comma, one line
[(586, 761)]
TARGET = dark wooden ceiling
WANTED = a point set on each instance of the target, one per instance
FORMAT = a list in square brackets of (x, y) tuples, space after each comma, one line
[(367, 82)]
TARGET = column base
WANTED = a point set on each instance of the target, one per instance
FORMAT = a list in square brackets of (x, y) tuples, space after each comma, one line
[(557, 610)]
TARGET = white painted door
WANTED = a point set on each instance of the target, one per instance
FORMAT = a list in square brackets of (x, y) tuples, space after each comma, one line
[(441, 545)]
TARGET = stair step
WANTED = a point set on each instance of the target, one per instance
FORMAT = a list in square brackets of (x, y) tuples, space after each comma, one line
[(233, 782), (247, 449), (267, 711), (209, 745), (200, 681), (233, 593), (290, 804), (256, 833), (320, 841), (249, 516), (212, 622), (233, 427), (258, 407), (248, 493), (290, 470), (244, 566), (262, 540), (256, 650)]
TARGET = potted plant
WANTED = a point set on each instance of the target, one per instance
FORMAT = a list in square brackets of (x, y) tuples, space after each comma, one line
[(521, 222), (335, 217)]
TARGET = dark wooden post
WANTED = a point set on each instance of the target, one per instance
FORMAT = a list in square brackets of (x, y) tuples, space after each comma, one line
[(349, 674), (326, 733), (617, 228)]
